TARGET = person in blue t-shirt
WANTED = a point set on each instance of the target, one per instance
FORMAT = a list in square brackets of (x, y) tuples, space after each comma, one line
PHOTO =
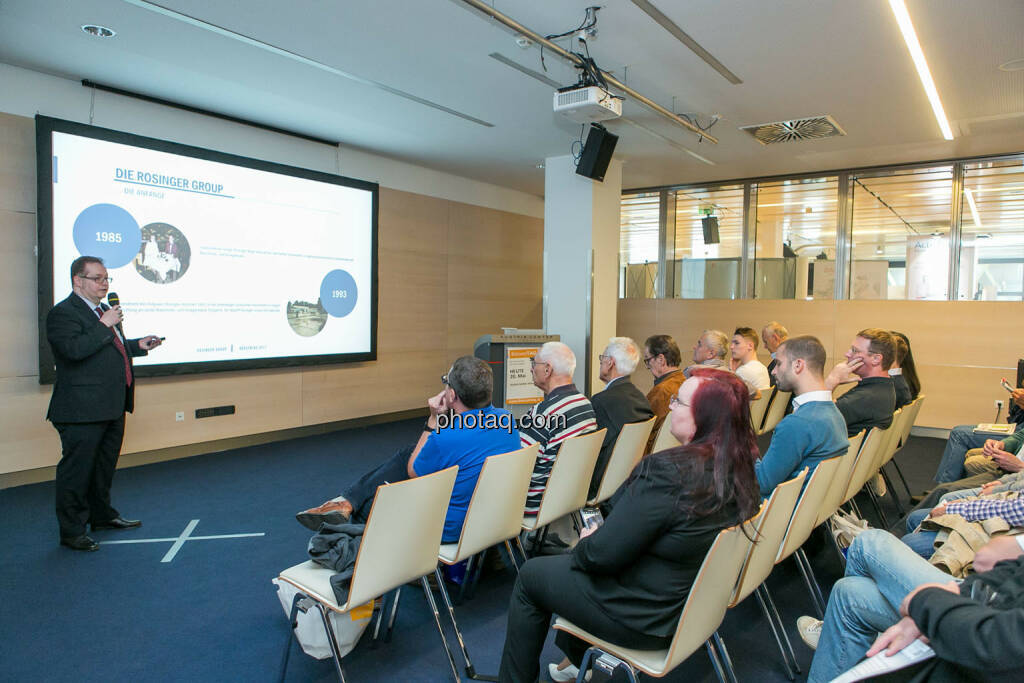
[(463, 429), (815, 430)]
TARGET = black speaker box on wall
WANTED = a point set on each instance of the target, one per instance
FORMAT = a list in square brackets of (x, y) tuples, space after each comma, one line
[(710, 225), (597, 153)]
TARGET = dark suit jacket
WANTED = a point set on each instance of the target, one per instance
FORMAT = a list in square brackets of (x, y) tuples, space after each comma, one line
[(90, 384), (619, 404)]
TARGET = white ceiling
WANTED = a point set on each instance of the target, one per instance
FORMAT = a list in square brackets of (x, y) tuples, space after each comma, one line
[(796, 58)]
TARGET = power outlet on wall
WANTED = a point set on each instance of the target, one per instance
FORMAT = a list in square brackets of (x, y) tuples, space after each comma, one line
[(999, 404), (179, 416)]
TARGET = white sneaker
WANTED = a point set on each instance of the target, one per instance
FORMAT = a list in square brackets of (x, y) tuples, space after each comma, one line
[(557, 675), (810, 631)]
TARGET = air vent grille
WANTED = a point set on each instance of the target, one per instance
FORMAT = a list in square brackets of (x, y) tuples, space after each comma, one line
[(811, 128)]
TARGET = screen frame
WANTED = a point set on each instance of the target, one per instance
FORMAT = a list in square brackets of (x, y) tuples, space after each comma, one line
[(45, 128)]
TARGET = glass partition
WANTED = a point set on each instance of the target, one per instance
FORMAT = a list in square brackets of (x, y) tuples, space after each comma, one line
[(900, 239), (638, 245), (795, 238), (992, 232), (708, 242)]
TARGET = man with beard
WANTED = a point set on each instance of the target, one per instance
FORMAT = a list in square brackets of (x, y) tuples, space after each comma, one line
[(815, 431)]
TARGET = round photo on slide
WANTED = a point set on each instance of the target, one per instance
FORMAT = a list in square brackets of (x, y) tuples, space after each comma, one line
[(305, 317), (164, 255)]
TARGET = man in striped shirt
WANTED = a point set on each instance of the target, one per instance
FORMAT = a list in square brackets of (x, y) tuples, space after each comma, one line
[(563, 413)]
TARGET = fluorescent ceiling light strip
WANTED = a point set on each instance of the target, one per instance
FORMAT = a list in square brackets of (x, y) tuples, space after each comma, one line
[(899, 10), (280, 52), (974, 209)]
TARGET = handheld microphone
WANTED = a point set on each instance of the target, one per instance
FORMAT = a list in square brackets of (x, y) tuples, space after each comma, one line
[(114, 300)]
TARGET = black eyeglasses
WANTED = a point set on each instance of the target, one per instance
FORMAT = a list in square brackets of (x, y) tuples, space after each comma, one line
[(648, 359), (98, 279), (534, 362)]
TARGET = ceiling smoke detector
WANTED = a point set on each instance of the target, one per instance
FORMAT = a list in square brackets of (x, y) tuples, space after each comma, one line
[(811, 128)]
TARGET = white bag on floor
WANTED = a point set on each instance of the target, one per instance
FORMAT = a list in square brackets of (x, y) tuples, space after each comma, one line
[(310, 632)]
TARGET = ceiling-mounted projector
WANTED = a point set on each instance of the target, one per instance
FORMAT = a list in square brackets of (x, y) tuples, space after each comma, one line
[(587, 105)]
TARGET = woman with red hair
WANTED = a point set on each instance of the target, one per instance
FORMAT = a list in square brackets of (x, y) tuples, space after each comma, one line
[(626, 581)]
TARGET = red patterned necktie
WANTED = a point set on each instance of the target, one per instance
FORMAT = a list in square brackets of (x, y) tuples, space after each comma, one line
[(124, 353)]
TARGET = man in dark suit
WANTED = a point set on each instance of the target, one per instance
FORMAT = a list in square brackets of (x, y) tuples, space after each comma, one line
[(620, 403), (94, 388)]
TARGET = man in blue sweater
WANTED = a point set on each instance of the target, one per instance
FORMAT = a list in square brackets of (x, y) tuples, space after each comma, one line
[(816, 430)]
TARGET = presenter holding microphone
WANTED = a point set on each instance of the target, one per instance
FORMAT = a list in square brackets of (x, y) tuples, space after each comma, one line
[(94, 388)]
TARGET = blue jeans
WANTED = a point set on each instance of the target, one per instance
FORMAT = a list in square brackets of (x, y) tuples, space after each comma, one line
[(923, 542), (961, 439), (880, 572)]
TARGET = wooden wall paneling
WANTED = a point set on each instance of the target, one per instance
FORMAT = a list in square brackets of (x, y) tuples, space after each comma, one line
[(264, 400), (18, 309), (27, 440), (17, 164)]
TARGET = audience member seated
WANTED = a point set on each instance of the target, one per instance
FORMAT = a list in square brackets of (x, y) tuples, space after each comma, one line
[(662, 358), (463, 429), (993, 460), (974, 505), (815, 431), (620, 403), (563, 413), (743, 348), (772, 335), (627, 581), (963, 438), (974, 627), (709, 351), (904, 372), (872, 401)]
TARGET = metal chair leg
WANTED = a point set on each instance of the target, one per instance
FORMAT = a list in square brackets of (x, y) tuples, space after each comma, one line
[(292, 624), (585, 664), (512, 556), (815, 600), (440, 630), (394, 613), (522, 550), (878, 508), (470, 671), (716, 663), (892, 490), (724, 653), (332, 640), (902, 478), (775, 633), (465, 578), (782, 627)]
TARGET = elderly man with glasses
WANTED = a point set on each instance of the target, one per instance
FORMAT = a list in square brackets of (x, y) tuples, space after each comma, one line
[(95, 386), (463, 429)]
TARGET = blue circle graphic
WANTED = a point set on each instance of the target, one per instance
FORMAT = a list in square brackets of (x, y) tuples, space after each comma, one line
[(108, 232), (338, 293)]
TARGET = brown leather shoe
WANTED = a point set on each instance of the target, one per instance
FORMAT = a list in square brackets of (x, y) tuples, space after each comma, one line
[(331, 512)]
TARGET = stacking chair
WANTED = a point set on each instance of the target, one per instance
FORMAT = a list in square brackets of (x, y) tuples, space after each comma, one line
[(911, 410), (776, 410), (665, 438), (805, 519), (568, 484), (899, 420), (400, 544), (866, 466), (770, 523), (698, 621), (628, 450), (495, 516), (835, 496), (759, 407)]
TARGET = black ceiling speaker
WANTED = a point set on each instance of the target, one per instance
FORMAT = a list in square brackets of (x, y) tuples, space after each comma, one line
[(597, 153), (710, 225)]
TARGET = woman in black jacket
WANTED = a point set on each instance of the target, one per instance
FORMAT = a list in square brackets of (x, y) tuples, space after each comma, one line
[(627, 581)]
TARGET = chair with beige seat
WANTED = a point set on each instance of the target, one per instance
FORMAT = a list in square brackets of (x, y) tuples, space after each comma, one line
[(494, 516), (665, 438), (568, 484), (629, 448), (776, 410), (400, 544), (699, 619), (758, 408), (770, 524)]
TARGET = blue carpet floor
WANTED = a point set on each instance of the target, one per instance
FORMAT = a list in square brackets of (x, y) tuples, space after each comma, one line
[(211, 613)]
